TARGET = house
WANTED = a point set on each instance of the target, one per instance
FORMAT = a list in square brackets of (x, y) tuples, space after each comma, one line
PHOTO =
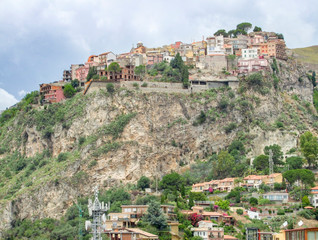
[(153, 58), (200, 83), (106, 58), (139, 49), (67, 76), (253, 215), (131, 214), (314, 197), (226, 184), (251, 65), (212, 216), (274, 178), (52, 92), (215, 45), (130, 234), (208, 230), (277, 49), (277, 196), (301, 234), (249, 53), (74, 67), (199, 48), (253, 181)]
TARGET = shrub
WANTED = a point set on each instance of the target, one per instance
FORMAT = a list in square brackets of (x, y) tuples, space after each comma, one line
[(143, 183), (279, 124), (69, 91), (200, 119), (135, 85), (306, 214), (239, 211), (229, 128), (110, 87), (144, 85), (92, 164), (255, 79), (280, 212), (223, 104), (62, 157)]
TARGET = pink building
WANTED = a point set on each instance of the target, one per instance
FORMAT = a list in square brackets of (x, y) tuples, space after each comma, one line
[(155, 58), (52, 93), (251, 65)]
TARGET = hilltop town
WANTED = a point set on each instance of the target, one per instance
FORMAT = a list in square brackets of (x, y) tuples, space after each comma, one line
[(213, 62), (214, 139)]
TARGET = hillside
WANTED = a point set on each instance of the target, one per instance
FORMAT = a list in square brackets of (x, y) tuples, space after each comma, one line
[(307, 56), (52, 154)]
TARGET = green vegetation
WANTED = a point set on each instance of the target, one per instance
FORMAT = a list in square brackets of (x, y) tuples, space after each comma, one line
[(110, 87), (114, 68), (307, 55), (91, 73), (143, 183), (69, 91)]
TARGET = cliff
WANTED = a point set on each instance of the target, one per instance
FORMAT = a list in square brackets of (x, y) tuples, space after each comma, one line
[(53, 154)]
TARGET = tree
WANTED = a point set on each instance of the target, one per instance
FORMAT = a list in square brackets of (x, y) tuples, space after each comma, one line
[(280, 36), (257, 29), (244, 27), (75, 83), (114, 67), (277, 153), (253, 201), (68, 91), (294, 162), (224, 160), (143, 183), (223, 204), (221, 32), (261, 162), (140, 70), (91, 72), (177, 62), (309, 147), (172, 182), (232, 33), (155, 216), (306, 176), (313, 78), (305, 201)]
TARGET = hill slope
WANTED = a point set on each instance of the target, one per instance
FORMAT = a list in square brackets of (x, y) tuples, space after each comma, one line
[(51, 155)]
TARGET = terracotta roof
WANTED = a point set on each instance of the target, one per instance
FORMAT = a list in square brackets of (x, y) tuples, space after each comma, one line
[(137, 230), (255, 177), (315, 188), (227, 180), (211, 214), (274, 175), (104, 53), (228, 237)]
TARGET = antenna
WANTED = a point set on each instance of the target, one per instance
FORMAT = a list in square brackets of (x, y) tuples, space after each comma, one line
[(97, 210), (271, 164)]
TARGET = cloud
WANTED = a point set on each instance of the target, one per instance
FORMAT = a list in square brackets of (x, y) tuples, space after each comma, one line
[(22, 93), (6, 99)]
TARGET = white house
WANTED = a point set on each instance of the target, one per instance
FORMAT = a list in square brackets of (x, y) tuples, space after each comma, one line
[(314, 197), (249, 53), (253, 215)]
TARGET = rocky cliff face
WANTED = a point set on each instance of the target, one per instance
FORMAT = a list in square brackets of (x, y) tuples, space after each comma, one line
[(113, 138)]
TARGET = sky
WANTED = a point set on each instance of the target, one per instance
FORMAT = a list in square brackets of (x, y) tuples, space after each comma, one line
[(41, 38)]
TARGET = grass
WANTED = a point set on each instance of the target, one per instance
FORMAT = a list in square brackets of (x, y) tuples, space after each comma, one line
[(307, 54)]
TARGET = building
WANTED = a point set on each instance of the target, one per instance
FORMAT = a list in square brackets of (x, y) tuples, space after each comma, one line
[(215, 45), (277, 48), (197, 84), (67, 75), (226, 184), (253, 181), (274, 178), (314, 197), (139, 49), (208, 230), (216, 62), (131, 214), (249, 53), (251, 65), (301, 234), (74, 67), (154, 58), (277, 196), (52, 93), (130, 234), (106, 58)]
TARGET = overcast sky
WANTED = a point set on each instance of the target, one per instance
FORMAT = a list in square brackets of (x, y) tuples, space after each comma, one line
[(41, 38)]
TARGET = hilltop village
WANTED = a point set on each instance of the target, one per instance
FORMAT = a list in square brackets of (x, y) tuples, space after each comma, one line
[(213, 62), (168, 134)]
